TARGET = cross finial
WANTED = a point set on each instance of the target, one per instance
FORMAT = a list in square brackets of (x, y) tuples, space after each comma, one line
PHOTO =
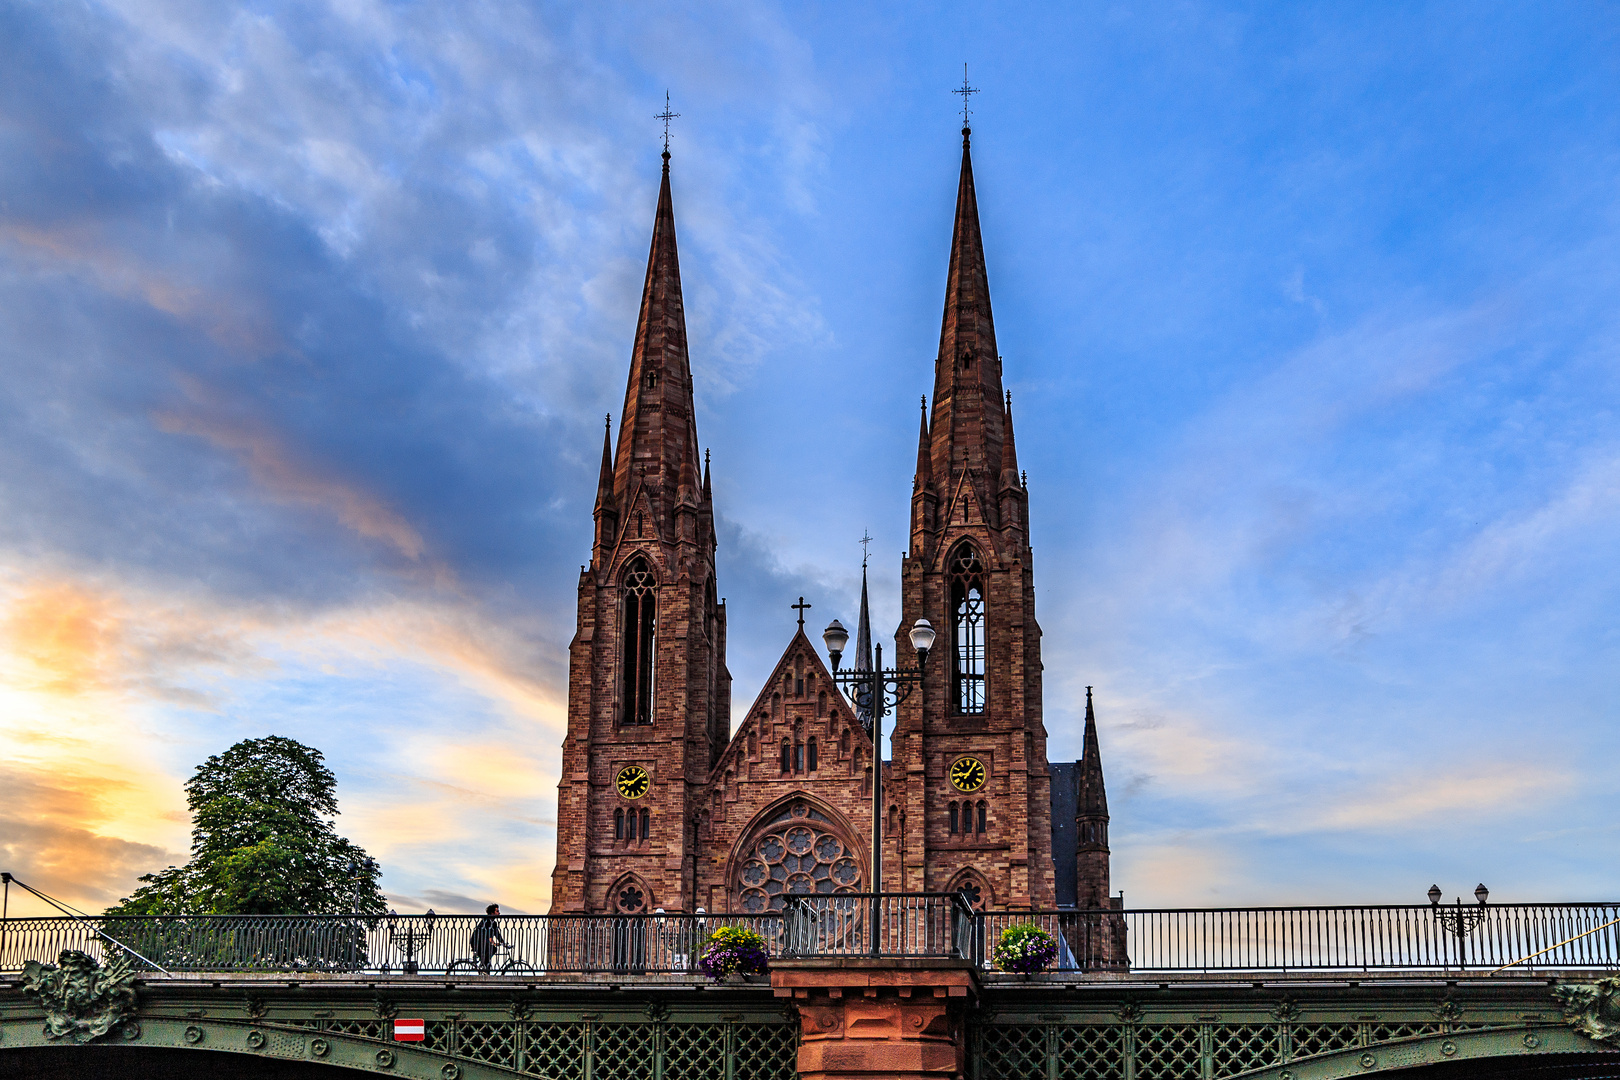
[(666, 116), (800, 607), (967, 93), (866, 541)]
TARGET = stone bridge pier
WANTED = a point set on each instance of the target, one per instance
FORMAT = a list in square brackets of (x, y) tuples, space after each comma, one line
[(864, 1019)]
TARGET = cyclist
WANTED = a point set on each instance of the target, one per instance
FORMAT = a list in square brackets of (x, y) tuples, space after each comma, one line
[(485, 936)]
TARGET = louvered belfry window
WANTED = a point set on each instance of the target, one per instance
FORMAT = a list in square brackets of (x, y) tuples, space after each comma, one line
[(967, 615), (638, 642)]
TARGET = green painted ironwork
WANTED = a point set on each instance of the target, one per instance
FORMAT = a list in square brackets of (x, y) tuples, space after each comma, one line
[(1195, 1030), (469, 1047)]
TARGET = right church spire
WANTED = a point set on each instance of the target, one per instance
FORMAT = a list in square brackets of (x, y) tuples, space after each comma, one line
[(968, 426)]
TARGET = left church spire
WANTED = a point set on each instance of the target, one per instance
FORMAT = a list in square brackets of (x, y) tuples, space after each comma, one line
[(657, 427), (649, 696)]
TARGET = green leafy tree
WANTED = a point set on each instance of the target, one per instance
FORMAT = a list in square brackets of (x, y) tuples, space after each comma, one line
[(263, 842)]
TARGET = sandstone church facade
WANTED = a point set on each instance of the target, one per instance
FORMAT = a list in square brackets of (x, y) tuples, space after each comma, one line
[(661, 805)]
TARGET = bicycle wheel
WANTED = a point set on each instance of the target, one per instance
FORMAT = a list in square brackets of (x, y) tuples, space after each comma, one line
[(517, 967), (463, 967)]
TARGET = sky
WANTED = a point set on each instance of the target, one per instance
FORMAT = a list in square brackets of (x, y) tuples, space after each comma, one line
[(310, 313)]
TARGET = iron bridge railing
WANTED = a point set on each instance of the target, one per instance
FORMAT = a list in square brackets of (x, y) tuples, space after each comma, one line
[(938, 925)]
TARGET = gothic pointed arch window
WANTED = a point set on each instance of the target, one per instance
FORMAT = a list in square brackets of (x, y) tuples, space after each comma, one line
[(638, 642), (798, 849), (966, 572)]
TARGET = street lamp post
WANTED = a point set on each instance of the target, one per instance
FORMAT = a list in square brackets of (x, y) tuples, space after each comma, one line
[(878, 691), (1459, 921), (410, 938)]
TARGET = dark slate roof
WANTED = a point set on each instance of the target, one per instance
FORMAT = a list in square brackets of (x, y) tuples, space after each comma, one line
[(1065, 808)]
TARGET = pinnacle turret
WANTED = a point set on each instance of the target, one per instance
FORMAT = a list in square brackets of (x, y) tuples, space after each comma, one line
[(1009, 453), (604, 479), (1093, 795), (925, 471), (863, 651)]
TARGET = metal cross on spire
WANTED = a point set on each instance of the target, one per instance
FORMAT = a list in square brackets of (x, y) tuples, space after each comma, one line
[(866, 541), (967, 93), (800, 608), (666, 116)]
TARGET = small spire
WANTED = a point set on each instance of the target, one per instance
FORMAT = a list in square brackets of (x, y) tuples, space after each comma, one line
[(925, 451), (604, 482), (1093, 794), (708, 492), (1009, 453), (863, 652)]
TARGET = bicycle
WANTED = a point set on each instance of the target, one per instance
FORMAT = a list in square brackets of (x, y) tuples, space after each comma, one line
[(512, 966)]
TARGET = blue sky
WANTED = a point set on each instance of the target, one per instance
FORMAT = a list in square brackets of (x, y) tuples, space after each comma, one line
[(309, 314)]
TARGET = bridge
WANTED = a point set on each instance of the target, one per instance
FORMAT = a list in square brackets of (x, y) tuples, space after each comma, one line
[(859, 986)]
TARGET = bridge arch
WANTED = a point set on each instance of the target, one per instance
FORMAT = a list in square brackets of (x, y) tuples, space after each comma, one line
[(317, 1054), (1523, 1050)]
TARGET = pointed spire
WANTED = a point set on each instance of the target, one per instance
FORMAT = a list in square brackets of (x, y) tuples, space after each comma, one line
[(1009, 452), (604, 480), (657, 429), (708, 490), (967, 371), (1093, 795), (925, 471), (863, 650)]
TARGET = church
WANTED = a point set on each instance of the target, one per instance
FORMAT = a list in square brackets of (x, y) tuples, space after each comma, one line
[(660, 805)]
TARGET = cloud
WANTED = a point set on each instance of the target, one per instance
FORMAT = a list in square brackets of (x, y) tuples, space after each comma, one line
[(269, 463), (1433, 796)]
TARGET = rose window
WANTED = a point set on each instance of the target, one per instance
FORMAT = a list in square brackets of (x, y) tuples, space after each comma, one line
[(798, 852), (631, 900)]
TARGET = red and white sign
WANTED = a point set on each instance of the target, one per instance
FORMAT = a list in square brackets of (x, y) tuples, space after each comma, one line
[(410, 1030)]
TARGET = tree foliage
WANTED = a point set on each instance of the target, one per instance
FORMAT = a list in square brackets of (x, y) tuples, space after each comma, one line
[(263, 842)]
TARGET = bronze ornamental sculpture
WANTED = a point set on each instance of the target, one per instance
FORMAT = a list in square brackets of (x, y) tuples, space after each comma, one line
[(1593, 1009), (83, 1001)]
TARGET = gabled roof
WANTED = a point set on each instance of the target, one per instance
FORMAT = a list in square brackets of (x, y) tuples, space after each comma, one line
[(798, 647)]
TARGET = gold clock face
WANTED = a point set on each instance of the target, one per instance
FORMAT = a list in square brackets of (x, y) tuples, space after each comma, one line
[(967, 774), (633, 782)]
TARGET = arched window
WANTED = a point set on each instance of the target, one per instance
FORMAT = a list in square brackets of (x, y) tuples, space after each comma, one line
[(798, 757), (753, 745), (811, 754), (618, 824), (894, 819), (843, 741), (983, 810), (967, 629), (797, 850), (787, 756), (821, 703), (645, 820), (953, 819), (637, 644)]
